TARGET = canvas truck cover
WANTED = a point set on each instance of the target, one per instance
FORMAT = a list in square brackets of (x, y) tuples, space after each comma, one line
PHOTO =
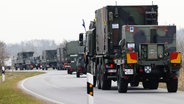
[(73, 47), (21, 56), (49, 55), (140, 34), (110, 19)]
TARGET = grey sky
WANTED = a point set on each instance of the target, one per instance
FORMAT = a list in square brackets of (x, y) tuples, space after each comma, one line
[(60, 20)]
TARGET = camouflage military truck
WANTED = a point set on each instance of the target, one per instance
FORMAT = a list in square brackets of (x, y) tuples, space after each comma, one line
[(37, 62), (81, 69), (49, 59), (107, 34), (148, 55), (24, 60), (72, 51)]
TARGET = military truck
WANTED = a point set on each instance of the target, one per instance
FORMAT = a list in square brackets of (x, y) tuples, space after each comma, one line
[(81, 68), (37, 62), (148, 55), (24, 60), (49, 59), (72, 62), (72, 49), (106, 33)]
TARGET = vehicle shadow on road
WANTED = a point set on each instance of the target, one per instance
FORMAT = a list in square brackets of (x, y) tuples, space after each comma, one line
[(140, 90)]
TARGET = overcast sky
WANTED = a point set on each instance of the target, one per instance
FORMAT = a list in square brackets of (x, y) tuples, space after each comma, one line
[(22, 20)]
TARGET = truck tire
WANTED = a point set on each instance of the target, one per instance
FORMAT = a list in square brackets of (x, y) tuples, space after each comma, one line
[(122, 85), (94, 81), (172, 85), (78, 74), (105, 83), (68, 71), (98, 78)]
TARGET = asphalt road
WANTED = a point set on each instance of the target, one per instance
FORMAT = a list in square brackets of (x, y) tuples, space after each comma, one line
[(57, 87)]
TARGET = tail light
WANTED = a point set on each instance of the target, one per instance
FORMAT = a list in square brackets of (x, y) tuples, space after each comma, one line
[(131, 57), (175, 57), (79, 68), (110, 66)]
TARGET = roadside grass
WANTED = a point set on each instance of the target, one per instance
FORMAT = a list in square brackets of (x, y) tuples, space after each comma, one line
[(11, 94), (181, 80)]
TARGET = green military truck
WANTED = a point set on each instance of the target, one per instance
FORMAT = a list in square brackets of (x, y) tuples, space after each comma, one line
[(148, 54), (49, 59), (72, 51), (105, 34), (24, 60)]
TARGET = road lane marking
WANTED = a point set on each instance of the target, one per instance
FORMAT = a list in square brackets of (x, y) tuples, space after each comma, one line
[(21, 85)]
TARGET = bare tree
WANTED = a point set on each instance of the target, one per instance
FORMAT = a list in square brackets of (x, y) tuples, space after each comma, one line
[(63, 44), (3, 53)]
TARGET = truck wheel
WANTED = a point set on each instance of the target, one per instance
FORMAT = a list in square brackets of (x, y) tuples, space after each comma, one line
[(105, 83), (98, 82), (94, 81), (77, 74), (172, 85), (68, 71), (122, 85), (98, 78)]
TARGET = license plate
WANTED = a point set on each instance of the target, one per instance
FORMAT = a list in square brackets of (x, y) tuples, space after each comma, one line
[(129, 71), (111, 70)]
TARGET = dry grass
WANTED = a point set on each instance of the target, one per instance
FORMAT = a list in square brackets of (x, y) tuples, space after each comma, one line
[(181, 80), (11, 94)]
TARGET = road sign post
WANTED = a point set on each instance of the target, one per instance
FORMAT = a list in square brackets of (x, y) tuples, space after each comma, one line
[(90, 88), (3, 74)]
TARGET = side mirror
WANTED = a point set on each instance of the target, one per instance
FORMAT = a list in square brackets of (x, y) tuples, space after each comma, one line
[(81, 39), (122, 43)]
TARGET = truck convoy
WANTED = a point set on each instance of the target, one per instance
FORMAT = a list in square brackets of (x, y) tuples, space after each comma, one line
[(64, 57), (126, 44)]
